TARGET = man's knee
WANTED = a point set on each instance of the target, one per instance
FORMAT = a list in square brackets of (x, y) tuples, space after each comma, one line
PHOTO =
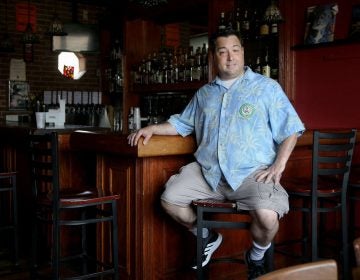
[(266, 219), (184, 215)]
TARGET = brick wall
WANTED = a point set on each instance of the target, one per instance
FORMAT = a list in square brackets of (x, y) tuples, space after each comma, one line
[(42, 73)]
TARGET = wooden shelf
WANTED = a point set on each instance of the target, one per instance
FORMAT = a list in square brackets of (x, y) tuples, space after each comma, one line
[(178, 87), (338, 42)]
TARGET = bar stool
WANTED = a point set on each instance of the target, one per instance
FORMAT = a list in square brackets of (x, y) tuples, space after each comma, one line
[(8, 188), (325, 192), (62, 207), (204, 209), (354, 201)]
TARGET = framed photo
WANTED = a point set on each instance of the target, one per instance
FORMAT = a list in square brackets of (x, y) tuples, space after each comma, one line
[(18, 95), (320, 23), (354, 33)]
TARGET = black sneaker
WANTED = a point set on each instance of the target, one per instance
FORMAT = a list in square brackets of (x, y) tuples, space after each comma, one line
[(210, 244), (255, 268)]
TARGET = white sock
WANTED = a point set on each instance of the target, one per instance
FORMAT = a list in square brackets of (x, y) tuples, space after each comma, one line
[(205, 232), (257, 252)]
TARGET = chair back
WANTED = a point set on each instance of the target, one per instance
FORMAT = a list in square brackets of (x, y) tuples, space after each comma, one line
[(319, 270), (331, 161), (45, 168)]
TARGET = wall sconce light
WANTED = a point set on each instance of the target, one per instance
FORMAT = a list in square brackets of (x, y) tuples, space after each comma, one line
[(72, 65), (272, 13)]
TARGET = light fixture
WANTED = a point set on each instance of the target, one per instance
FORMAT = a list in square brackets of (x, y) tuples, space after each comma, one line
[(272, 13), (150, 3), (56, 27), (71, 65), (29, 37), (6, 44)]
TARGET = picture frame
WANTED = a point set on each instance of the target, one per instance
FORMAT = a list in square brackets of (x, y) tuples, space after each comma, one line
[(354, 32), (320, 23), (18, 95)]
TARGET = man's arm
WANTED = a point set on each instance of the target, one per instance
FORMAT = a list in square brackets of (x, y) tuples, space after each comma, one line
[(275, 171), (147, 132)]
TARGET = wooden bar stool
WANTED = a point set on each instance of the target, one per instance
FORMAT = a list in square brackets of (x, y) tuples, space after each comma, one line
[(8, 190), (325, 192), (205, 208), (57, 208), (354, 202)]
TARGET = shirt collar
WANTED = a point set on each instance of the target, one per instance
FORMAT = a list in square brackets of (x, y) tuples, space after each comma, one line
[(248, 75)]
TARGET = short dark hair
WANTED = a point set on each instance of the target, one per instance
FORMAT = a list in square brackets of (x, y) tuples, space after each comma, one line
[(223, 33)]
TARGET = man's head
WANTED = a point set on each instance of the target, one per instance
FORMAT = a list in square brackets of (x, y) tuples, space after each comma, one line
[(228, 53)]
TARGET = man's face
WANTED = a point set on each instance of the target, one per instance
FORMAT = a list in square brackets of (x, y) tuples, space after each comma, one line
[(229, 57)]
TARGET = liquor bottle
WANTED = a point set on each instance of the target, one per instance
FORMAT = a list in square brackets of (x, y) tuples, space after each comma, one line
[(197, 69), (237, 21), (190, 65), (264, 28), (204, 62), (255, 30), (257, 67), (245, 25), (274, 28), (274, 72), (265, 67), (131, 120), (222, 22)]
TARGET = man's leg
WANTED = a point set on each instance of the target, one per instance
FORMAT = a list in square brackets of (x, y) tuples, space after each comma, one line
[(264, 227)]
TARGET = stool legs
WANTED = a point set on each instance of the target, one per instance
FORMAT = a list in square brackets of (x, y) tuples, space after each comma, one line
[(9, 187)]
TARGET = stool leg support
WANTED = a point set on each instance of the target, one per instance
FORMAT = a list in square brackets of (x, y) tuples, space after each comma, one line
[(115, 241), (199, 245), (15, 222)]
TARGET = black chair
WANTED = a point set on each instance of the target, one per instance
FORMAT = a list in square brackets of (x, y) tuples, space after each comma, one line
[(9, 209), (324, 192), (354, 201), (205, 208), (58, 208)]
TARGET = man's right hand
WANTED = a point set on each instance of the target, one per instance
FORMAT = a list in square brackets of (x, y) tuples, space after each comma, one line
[(145, 132)]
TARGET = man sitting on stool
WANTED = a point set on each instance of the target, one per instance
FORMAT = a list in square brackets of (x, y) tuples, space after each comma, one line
[(246, 129)]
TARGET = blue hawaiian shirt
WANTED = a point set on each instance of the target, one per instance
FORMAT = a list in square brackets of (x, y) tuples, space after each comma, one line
[(237, 129)]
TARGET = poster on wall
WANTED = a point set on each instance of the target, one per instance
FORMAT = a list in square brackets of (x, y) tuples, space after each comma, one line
[(320, 23), (18, 95)]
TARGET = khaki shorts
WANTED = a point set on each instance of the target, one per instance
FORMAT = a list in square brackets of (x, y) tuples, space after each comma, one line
[(189, 184)]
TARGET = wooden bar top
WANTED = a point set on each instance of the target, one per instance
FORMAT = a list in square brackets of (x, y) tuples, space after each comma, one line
[(157, 146), (118, 144)]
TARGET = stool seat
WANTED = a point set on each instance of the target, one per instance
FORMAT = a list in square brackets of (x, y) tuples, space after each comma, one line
[(215, 203)]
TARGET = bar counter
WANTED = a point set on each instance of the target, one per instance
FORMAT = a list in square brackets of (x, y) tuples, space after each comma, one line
[(151, 245)]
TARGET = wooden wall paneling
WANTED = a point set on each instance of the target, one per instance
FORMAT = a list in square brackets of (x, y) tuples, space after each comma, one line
[(116, 174)]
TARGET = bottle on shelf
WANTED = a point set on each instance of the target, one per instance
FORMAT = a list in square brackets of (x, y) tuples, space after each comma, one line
[(222, 22), (131, 120), (265, 67), (257, 66), (245, 25), (237, 20)]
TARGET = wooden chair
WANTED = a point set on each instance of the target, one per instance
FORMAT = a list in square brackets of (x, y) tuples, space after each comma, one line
[(325, 192), (57, 207), (9, 209), (204, 207), (319, 270)]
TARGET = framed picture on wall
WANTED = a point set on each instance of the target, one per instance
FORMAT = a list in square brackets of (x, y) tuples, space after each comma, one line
[(320, 23), (354, 33), (18, 95)]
